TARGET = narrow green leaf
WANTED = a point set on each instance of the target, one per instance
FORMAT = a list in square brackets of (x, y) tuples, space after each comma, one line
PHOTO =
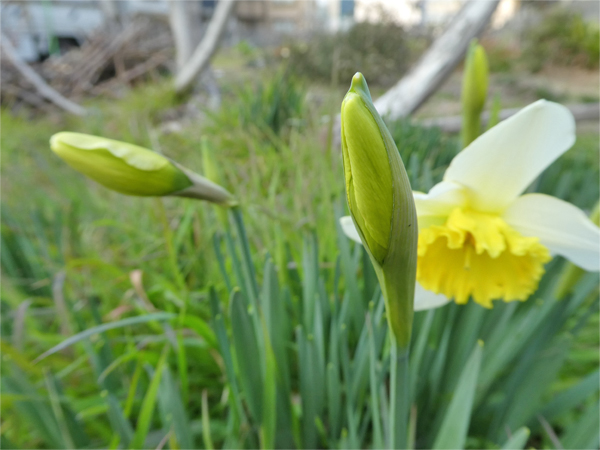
[(310, 266), (453, 433), (464, 337), (122, 430), (418, 350), (116, 363), (518, 440), (247, 354), (206, 435), (182, 367), (269, 400), (221, 261), (225, 349), (584, 433), (171, 405), (59, 415), (529, 379), (570, 398), (104, 327), (33, 408), (247, 264), (202, 328), (374, 383), (147, 410)]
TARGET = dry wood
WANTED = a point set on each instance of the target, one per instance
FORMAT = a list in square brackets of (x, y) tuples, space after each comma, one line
[(438, 62), (26, 96), (156, 60), (206, 48), (181, 28), (435, 65), (37, 81), (452, 124)]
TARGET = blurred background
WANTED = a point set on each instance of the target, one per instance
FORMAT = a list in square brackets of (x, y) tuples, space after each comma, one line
[(87, 49), (75, 254)]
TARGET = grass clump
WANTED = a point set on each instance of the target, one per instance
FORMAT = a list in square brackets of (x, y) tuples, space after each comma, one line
[(173, 370), (562, 38), (381, 52)]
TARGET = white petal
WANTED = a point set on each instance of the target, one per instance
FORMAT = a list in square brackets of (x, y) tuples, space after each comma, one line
[(562, 227), (425, 299), (349, 229), (502, 162), (433, 208)]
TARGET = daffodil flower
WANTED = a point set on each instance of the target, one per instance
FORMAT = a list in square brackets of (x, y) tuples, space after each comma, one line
[(479, 237)]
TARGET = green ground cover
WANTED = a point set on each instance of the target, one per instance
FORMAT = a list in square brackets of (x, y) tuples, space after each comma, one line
[(72, 252)]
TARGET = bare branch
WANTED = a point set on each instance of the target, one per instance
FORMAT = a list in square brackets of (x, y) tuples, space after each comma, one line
[(452, 124), (438, 62), (207, 46), (179, 20), (38, 82)]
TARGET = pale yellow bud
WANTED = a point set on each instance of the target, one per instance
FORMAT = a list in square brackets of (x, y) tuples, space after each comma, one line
[(381, 203), (133, 170)]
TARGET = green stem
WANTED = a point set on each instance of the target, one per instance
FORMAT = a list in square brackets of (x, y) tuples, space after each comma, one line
[(399, 396), (471, 127)]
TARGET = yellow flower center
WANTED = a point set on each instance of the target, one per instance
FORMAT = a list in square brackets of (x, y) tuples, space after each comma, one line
[(479, 255)]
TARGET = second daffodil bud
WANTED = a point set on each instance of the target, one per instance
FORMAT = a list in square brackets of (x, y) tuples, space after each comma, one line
[(133, 170), (381, 204), (474, 92)]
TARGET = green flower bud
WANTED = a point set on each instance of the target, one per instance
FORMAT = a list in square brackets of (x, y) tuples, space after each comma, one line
[(474, 91), (381, 204), (133, 170)]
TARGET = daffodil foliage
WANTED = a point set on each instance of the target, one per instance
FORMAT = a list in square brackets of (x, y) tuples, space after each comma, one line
[(480, 235)]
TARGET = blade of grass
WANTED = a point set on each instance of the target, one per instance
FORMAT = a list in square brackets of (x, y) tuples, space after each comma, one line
[(453, 432), (247, 354), (584, 432), (147, 409), (517, 440), (206, 436), (171, 403), (374, 382), (104, 327)]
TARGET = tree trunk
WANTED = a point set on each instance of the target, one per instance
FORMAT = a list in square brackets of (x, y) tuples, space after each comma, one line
[(44, 89), (206, 48), (438, 62)]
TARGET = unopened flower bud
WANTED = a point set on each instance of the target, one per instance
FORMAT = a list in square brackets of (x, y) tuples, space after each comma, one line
[(381, 203), (474, 92), (133, 170)]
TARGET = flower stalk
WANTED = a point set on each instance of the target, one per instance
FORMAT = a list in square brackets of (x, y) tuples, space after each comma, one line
[(382, 208)]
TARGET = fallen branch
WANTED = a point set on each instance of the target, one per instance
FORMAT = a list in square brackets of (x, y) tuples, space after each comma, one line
[(155, 61), (38, 82), (452, 124), (206, 48), (435, 65), (27, 97), (438, 62)]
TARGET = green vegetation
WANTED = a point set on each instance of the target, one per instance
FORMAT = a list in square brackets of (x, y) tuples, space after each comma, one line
[(267, 329), (382, 52), (562, 38)]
